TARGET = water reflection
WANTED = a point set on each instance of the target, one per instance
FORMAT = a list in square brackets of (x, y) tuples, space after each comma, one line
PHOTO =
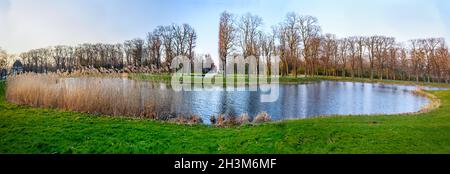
[(296, 101)]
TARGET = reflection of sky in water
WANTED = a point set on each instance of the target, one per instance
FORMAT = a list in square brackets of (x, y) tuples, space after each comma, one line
[(295, 100)]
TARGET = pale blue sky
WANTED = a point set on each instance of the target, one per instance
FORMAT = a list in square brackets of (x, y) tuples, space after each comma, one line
[(26, 24)]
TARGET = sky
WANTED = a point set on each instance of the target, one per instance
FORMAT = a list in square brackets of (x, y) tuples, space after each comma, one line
[(28, 24)]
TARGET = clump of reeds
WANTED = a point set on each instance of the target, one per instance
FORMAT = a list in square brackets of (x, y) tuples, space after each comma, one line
[(243, 119), (230, 120), (434, 101), (220, 120), (189, 119), (262, 117)]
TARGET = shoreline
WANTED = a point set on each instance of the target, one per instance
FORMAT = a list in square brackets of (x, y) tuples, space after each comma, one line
[(433, 104)]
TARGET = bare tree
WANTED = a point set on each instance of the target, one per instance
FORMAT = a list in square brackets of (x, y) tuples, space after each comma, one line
[(168, 41), (382, 52), (361, 47), (227, 33), (404, 63), (191, 39), (372, 43), (328, 50), (249, 31), (154, 46), (343, 45), (268, 49), (291, 34), (283, 50), (309, 29), (353, 52), (392, 62), (417, 57)]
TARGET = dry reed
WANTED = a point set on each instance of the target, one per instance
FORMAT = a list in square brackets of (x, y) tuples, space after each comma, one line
[(262, 117), (100, 96), (104, 96)]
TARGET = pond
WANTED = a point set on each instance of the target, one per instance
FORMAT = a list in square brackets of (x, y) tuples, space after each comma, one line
[(295, 101)]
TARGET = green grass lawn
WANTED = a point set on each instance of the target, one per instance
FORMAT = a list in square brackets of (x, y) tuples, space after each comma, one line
[(34, 130)]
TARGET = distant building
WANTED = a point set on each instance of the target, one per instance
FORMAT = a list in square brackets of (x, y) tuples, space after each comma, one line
[(17, 68)]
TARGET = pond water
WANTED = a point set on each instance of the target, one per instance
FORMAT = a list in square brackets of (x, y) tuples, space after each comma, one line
[(295, 101)]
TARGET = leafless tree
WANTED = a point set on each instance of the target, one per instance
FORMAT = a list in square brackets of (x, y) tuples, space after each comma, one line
[(268, 49), (291, 37), (154, 46), (309, 29), (249, 29), (227, 34), (329, 45)]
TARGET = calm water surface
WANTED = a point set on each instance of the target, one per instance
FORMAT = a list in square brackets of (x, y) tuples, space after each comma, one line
[(296, 101)]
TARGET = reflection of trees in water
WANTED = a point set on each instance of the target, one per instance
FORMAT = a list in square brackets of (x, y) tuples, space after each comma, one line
[(224, 108), (295, 101), (252, 106)]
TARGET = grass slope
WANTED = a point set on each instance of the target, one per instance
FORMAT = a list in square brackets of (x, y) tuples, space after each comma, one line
[(34, 130)]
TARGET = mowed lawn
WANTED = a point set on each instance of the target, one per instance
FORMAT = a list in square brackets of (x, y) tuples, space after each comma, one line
[(33, 130)]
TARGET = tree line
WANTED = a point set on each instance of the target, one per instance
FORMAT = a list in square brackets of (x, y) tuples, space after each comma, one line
[(303, 49), (165, 41), (298, 40)]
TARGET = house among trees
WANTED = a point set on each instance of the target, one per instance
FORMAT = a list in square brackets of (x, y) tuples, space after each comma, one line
[(17, 68)]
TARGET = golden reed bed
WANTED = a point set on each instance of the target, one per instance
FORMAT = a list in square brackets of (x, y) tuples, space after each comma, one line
[(102, 96)]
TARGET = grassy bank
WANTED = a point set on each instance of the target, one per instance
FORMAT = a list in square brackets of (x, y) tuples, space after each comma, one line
[(368, 80), (285, 79), (219, 79), (33, 130)]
